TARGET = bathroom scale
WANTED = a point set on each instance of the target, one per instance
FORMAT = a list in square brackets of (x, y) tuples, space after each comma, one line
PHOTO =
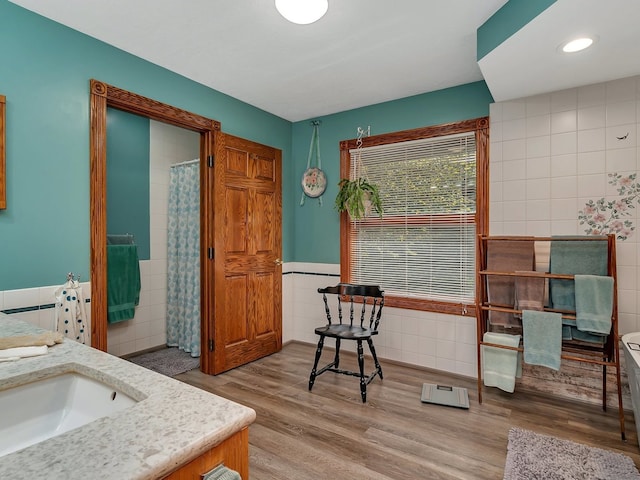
[(446, 395)]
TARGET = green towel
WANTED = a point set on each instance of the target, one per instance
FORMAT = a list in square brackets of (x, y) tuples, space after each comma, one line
[(500, 366), (222, 473), (574, 258), (594, 303), (542, 338), (123, 282)]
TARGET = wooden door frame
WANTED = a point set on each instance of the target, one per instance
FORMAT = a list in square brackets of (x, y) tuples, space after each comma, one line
[(103, 96)]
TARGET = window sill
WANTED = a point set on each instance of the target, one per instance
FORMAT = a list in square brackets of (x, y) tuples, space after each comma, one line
[(449, 308)]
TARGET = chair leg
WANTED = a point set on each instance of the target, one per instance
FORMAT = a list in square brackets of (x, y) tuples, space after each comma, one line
[(312, 377), (375, 357), (363, 380), (336, 359)]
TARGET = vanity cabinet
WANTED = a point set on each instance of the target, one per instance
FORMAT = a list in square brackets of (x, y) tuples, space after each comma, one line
[(232, 452)]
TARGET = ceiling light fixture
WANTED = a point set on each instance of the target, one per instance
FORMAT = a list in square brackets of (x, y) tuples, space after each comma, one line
[(302, 12), (577, 45)]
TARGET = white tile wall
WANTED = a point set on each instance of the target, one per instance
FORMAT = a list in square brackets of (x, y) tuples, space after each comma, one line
[(542, 175), (168, 145), (40, 301), (445, 342)]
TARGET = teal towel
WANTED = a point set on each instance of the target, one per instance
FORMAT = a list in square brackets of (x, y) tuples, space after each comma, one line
[(123, 282), (542, 338), (587, 337), (222, 473), (574, 258), (500, 366), (594, 303), (566, 332)]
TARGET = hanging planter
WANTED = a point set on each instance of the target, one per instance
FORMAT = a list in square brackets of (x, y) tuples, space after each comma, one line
[(358, 198)]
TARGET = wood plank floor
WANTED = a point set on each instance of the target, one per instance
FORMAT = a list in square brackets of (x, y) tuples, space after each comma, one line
[(329, 434)]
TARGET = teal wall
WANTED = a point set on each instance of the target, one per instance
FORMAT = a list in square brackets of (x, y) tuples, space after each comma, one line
[(316, 229), (128, 145), (513, 15), (45, 73)]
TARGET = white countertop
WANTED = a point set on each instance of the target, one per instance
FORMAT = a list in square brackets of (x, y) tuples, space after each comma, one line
[(171, 424)]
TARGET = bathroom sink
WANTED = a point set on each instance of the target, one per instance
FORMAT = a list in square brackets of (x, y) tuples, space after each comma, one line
[(39, 410)]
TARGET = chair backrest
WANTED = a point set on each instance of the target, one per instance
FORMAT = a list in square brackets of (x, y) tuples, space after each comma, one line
[(371, 297)]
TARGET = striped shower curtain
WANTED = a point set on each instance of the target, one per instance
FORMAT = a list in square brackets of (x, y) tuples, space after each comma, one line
[(183, 259)]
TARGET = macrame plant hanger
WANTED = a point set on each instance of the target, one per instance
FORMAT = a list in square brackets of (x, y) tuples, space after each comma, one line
[(359, 169), (314, 180)]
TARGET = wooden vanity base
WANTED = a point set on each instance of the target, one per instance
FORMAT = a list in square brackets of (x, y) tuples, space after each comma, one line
[(233, 452)]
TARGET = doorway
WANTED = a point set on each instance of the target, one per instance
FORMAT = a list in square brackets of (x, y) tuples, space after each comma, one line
[(142, 155), (260, 303)]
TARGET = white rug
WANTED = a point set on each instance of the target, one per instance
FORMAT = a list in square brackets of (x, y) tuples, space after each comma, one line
[(532, 456)]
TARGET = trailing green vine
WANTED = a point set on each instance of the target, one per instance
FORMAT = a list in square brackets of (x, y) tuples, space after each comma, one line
[(353, 196)]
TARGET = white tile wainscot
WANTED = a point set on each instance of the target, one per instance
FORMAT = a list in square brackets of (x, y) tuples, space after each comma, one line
[(425, 339)]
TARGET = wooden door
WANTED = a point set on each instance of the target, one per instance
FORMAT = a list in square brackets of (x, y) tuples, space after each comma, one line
[(248, 248)]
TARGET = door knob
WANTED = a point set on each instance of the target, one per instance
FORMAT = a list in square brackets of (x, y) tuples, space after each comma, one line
[(277, 261)]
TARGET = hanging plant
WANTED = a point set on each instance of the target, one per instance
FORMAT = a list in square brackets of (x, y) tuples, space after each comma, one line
[(358, 197)]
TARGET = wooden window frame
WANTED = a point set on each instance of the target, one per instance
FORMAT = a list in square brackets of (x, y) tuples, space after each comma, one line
[(481, 218)]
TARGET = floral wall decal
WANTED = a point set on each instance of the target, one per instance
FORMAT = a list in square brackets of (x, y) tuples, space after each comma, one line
[(608, 216)]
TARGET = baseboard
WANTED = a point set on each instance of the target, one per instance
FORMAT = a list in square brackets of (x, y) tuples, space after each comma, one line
[(141, 352)]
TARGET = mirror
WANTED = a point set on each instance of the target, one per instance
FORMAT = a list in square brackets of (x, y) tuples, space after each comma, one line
[(3, 170), (103, 96)]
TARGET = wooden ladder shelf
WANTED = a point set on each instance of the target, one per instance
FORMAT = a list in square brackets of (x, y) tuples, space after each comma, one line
[(607, 355)]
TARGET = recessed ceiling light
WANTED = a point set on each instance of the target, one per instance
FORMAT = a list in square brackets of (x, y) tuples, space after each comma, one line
[(577, 44), (302, 12)]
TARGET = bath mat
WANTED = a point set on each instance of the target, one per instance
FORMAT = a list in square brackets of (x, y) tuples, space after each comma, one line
[(168, 361), (534, 456), (445, 395)]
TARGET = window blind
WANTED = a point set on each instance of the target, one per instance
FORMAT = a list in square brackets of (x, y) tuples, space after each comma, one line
[(424, 246)]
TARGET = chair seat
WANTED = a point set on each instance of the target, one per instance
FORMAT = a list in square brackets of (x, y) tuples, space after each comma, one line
[(345, 331)]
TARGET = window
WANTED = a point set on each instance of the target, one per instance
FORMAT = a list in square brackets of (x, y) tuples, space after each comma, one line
[(433, 182)]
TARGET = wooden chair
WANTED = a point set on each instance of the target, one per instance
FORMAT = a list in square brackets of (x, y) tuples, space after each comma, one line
[(372, 299)]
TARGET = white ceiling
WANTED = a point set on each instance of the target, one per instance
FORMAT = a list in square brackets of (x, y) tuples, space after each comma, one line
[(529, 62), (362, 52)]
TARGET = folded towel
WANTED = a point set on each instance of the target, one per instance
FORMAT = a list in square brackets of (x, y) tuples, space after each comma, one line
[(22, 352), (566, 332), (530, 291), (46, 338), (506, 256), (587, 337), (222, 473), (575, 258), (499, 365), (123, 282), (542, 338), (594, 303)]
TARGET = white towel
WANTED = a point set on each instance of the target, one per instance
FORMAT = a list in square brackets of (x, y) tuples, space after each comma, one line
[(22, 352), (71, 314)]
